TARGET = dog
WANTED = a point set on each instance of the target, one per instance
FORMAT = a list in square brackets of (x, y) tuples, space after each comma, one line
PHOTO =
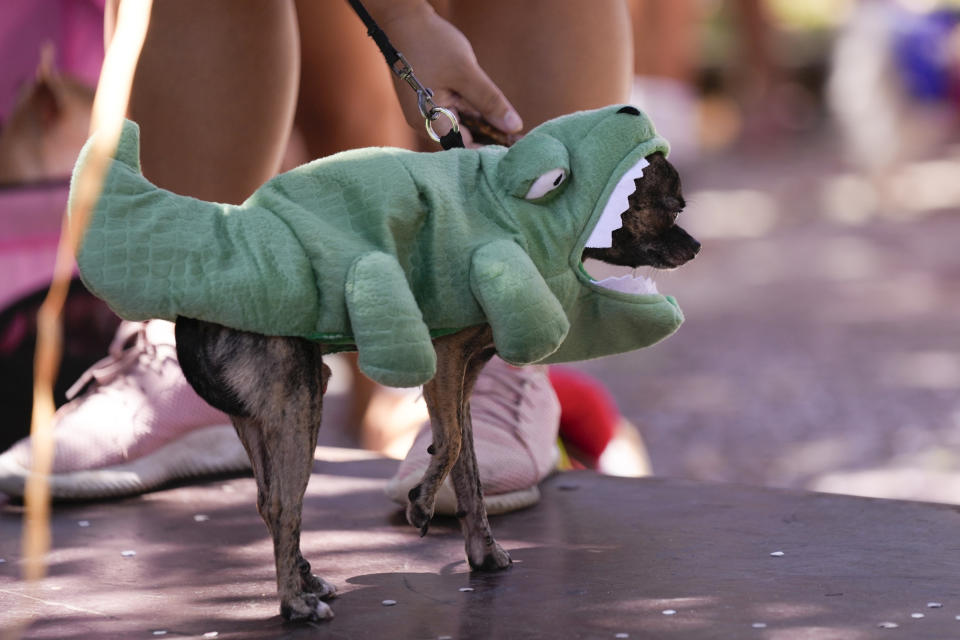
[(277, 418), (511, 257)]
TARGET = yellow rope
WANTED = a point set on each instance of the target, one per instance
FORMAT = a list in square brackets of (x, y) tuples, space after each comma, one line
[(109, 108)]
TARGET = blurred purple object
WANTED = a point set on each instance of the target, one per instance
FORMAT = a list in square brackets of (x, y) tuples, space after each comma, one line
[(922, 47)]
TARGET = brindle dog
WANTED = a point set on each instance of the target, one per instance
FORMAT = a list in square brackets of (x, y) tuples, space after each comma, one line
[(272, 387)]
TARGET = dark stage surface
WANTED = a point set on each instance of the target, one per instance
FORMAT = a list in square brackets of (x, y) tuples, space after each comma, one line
[(599, 557)]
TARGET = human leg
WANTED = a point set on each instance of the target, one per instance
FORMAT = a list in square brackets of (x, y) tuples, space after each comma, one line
[(346, 99), (551, 57), (666, 40), (214, 94)]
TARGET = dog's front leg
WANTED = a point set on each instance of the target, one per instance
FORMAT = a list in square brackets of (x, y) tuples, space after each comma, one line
[(483, 552), (444, 396), (460, 358)]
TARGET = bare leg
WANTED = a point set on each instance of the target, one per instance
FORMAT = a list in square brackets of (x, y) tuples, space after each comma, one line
[(665, 38), (534, 51), (347, 99), (214, 95), (551, 57)]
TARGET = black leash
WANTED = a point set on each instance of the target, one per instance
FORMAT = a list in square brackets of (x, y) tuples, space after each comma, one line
[(402, 69)]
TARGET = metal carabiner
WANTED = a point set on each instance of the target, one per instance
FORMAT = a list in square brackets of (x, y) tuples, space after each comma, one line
[(428, 108), (424, 95), (435, 113)]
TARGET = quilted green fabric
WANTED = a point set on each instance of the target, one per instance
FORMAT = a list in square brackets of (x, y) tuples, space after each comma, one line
[(382, 249)]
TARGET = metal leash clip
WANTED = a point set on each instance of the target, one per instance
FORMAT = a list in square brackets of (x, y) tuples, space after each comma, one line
[(428, 108)]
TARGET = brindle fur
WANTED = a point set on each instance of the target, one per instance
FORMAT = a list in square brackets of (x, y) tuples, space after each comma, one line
[(272, 387), (649, 235)]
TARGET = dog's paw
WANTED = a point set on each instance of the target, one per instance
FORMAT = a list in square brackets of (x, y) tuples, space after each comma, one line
[(318, 586), (305, 607), (495, 559), (419, 517), (419, 509)]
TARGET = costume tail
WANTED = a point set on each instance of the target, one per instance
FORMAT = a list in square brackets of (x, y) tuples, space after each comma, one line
[(151, 253), (128, 149)]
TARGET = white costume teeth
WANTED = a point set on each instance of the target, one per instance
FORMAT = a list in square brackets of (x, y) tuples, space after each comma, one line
[(638, 285), (601, 237)]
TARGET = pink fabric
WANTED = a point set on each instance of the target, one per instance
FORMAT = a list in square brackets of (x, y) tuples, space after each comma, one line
[(30, 218), (74, 27)]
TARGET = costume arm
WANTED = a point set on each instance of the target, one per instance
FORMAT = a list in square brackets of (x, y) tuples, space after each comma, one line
[(393, 343), (527, 320)]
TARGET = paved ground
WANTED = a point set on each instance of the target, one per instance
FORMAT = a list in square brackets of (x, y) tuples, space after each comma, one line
[(598, 557), (822, 341)]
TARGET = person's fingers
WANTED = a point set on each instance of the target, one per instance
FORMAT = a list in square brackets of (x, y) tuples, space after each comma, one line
[(479, 91), (444, 61)]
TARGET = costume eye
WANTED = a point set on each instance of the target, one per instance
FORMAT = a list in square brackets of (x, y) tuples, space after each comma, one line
[(546, 183)]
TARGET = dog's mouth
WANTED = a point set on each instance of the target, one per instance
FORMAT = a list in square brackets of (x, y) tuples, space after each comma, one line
[(601, 237)]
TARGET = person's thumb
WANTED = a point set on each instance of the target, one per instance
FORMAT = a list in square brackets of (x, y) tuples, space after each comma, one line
[(482, 94)]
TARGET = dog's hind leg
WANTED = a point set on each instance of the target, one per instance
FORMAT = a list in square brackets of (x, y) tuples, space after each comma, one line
[(273, 388), (282, 468)]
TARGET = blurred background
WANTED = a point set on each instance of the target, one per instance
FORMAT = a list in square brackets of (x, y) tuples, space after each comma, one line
[(818, 144), (822, 343)]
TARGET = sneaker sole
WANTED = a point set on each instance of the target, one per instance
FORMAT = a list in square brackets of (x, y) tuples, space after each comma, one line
[(446, 505), (202, 452)]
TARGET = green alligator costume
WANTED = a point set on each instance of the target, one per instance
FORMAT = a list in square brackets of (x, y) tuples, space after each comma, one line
[(380, 249)]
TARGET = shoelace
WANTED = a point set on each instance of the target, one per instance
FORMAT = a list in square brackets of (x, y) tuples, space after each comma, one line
[(500, 391), (127, 346)]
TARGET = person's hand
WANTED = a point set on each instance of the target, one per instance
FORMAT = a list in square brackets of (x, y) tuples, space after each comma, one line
[(443, 60)]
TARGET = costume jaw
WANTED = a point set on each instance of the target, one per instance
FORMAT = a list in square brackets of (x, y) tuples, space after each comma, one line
[(601, 236)]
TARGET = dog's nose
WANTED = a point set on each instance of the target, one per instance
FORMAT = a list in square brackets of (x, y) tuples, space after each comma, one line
[(694, 247), (631, 110)]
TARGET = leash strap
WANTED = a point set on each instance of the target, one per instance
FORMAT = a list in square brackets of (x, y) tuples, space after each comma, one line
[(402, 69)]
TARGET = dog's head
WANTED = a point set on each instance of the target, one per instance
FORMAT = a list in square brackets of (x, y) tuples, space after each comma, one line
[(597, 184), (648, 233)]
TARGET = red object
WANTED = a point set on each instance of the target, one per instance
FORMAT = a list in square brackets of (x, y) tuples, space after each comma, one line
[(588, 413)]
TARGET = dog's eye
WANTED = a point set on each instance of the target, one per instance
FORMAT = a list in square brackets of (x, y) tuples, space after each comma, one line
[(546, 183)]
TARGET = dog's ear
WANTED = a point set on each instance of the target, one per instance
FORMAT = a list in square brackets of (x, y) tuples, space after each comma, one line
[(536, 168)]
